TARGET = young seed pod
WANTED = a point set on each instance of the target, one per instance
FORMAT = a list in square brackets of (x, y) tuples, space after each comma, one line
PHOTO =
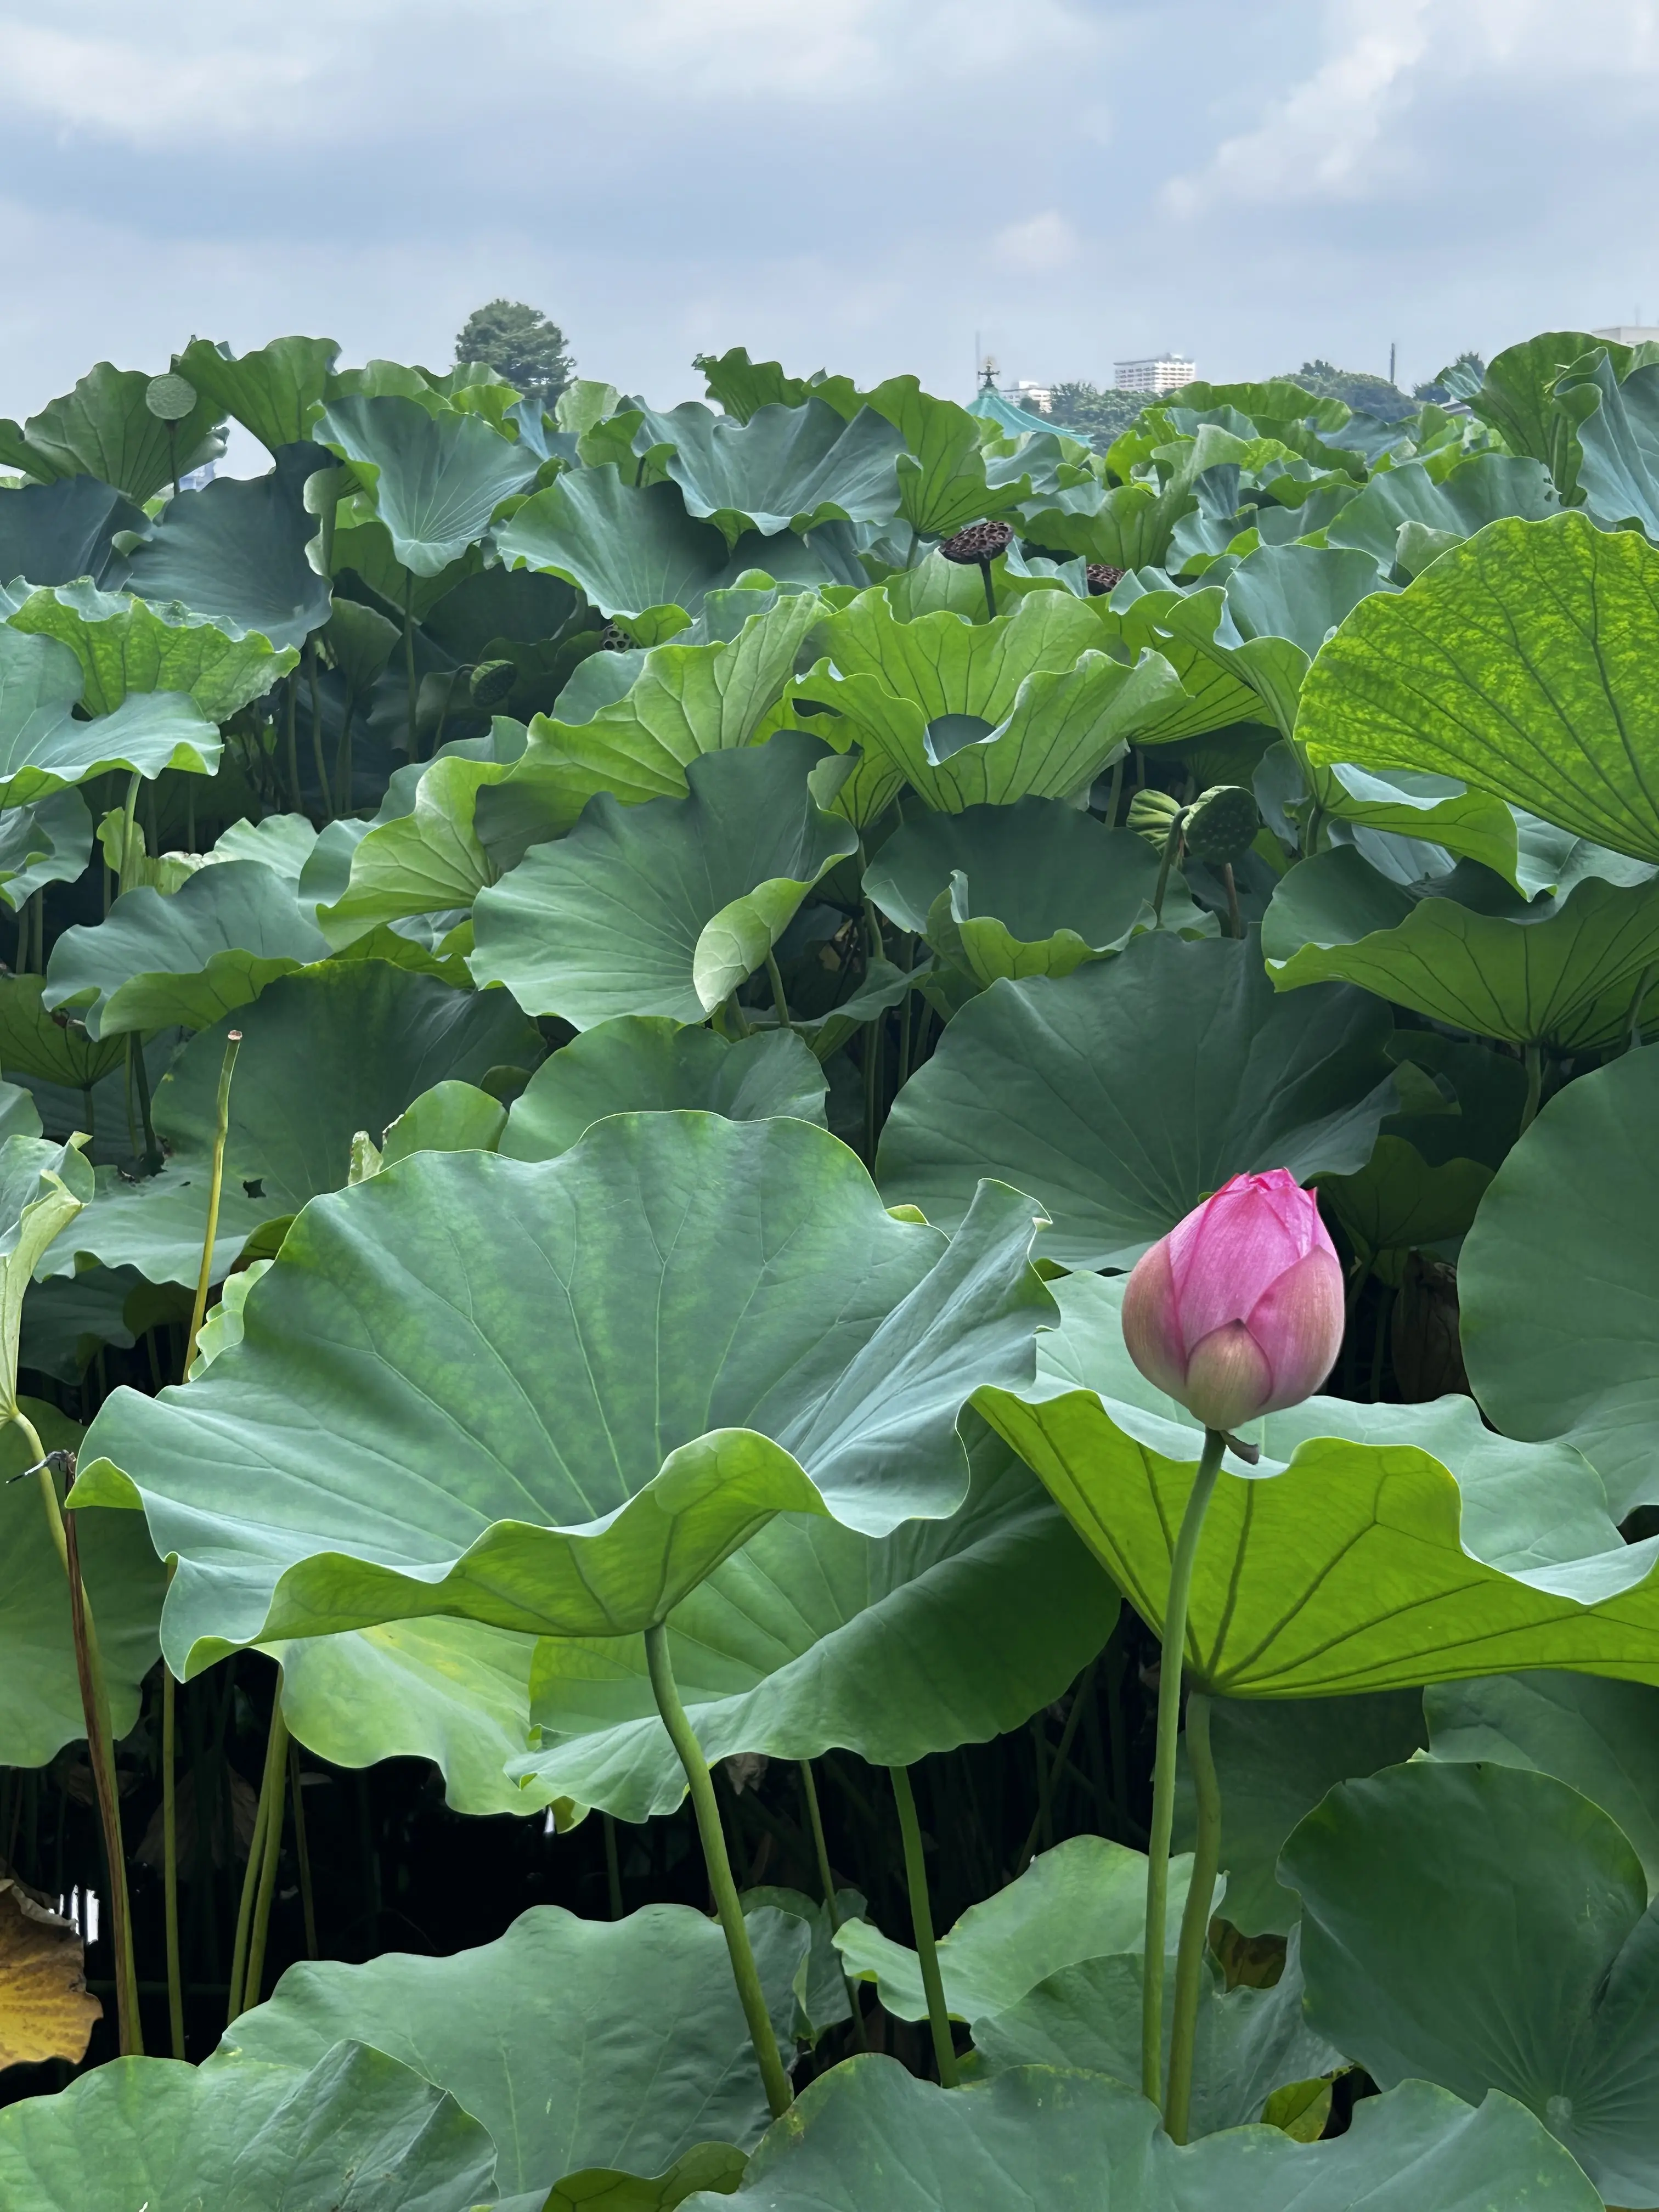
[(1223, 824)]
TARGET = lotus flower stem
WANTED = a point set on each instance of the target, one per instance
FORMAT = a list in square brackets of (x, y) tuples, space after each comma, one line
[(271, 1785), (776, 981), (409, 660), (744, 1973), (215, 1187), (1115, 795), (141, 1084), (317, 731), (291, 745), (302, 1851), (1535, 1060), (128, 870), (100, 1743), (1171, 845), (1164, 1771), (990, 590), (1041, 1828), (170, 1858), (612, 1866), (922, 1927), (1196, 1920), (277, 1777), (1235, 919), (815, 1819)]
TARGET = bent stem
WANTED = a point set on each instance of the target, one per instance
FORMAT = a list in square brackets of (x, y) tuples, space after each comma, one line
[(215, 1187), (1196, 1920), (259, 1851), (1163, 1772), (744, 1973), (815, 1820), (922, 1927)]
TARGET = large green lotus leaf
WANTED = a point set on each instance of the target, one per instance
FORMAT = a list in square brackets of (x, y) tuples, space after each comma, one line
[(41, 1710), (1601, 1738), (640, 557), (943, 479), (742, 387), (345, 1046), (685, 701), (1211, 697), (1558, 1282), (1123, 1094), (274, 392), (1270, 620), (1035, 889), (105, 428), (1375, 1547), (1085, 1898), (1561, 972), (1128, 526), (641, 1063), (1400, 1201), (579, 2044), (814, 1637), (365, 547), (158, 960), (869, 2134), (1619, 434), (971, 713), (235, 552), (44, 748), (1517, 397), (637, 1437), (1521, 664), (1275, 1761), (32, 1043), (1434, 810), (434, 480), (427, 861), (157, 1224), (125, 645), (359, 2132), (1248, 2042), (1455, 505), (785, 468), (453, 1692), (52, 533), (666, 907), (1489, 1928), (49, 842)]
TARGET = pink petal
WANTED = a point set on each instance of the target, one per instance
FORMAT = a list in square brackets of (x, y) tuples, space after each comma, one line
[(1297, 1323), (1228, 1380), (1151, 1326), (1226, 1255)]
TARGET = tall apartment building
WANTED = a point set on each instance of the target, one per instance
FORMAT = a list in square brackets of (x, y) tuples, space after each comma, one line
[(1164, 372)]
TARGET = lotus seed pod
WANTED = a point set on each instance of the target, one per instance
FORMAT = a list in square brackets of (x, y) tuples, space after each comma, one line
[(492, 681), (1223, 824), (1150, 815), (1102, 578), (979, 543), (170, 399), (613, 638)]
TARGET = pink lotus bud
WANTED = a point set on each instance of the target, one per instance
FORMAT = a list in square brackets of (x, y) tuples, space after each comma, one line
[(1238, 1311)]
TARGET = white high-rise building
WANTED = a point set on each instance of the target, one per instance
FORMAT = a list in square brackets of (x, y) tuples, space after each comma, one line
[(1162, 373)]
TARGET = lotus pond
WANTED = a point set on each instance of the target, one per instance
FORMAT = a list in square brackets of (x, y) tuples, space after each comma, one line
[(599, 1006)]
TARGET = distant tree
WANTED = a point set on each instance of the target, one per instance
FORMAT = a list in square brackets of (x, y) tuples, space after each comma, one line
[(1364, 393), (520, 343), (1100, 416), (1456, 381)]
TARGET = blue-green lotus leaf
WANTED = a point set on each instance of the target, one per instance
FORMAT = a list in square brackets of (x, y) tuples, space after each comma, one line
[(105, 428), (52, 533), (126, 645), (433, 480), (663, 909), (1443, 507), (1123, 1094), (49, 842), (44, 748), (653, 1304), (785, 468), (235, 551), (274, 392)]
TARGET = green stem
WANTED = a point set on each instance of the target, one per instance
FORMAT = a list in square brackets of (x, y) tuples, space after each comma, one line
[(778, 998), (744, 1973), (277, 1773), (141, 1084), (922, 1927), (301, 1849), (1196, 1920), (408, 661), (130, 834), (269, 1786), (1114, 797), (990, 590), (1235, 919), (1535, 1062), (910, 557), (1171, 844), (1633, 1023), (612, 1866), (317, 731), (170, 1858), (343, 760), (907, 960), (216, 1186), (826, 1877), (1041, 1828), (1163, 1773), (291, 721)]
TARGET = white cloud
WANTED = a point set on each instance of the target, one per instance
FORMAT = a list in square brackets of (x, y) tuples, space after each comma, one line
[(1041, 243)]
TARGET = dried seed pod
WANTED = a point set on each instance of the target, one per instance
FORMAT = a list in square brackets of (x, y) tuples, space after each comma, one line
[(1223, 824), (613, 638), (978, 544), (1102, 578)]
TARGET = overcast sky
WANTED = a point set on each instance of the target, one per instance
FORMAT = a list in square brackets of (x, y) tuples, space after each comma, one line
[(860, 184)]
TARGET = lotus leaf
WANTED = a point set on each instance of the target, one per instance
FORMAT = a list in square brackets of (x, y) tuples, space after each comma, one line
[(358, 2133), (434, 480), (1518, 398), (235, 551), (1565, 972), (785, 468), (33, 1043), (970, 713), (814, 1637), (124, 646), (427, 861), (871, 2134), (641, 1063), (51, 533), (44, 749), (275, 392), (1450, 676), (742, 387), (105, 428), (155, 960), (1122, 1093), (343, 1046), (666, 907), (677, 1436), (157, 1224), (49, 842), (1451, 506), (945, 482), (579, 2044), (1574, 1205), (1489, 1928)]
